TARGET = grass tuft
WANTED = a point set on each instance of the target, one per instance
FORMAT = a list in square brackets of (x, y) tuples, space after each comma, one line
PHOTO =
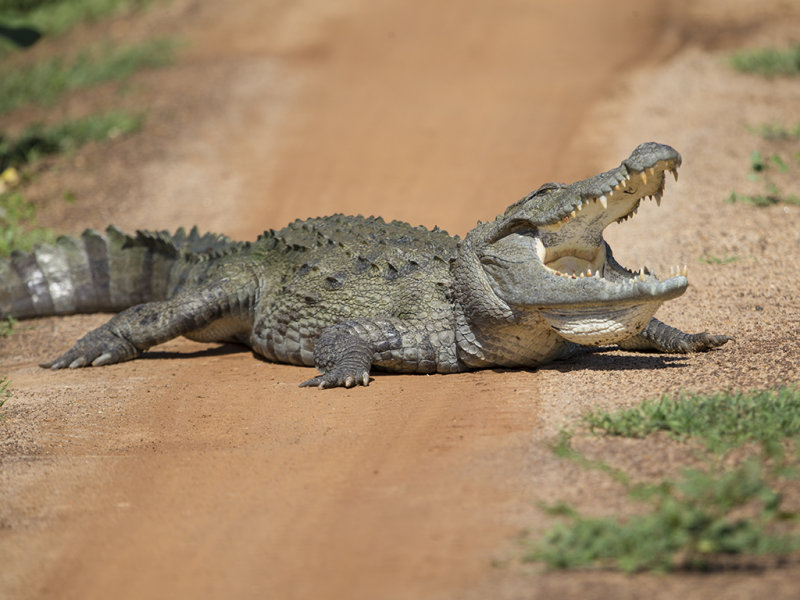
[(54, 17), (47, 80), (5, 393), (39, 140), (763, 200), (776, 131), (710, 259), (691, 523), (721, 421), (769, 62), (17, 225), (6, 326)]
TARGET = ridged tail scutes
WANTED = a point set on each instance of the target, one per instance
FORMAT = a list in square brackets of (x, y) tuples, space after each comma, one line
[(101, 272)]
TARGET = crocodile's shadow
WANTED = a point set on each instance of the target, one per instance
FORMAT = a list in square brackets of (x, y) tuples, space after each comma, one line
[(601, 359), (221, 350), (594, 359)]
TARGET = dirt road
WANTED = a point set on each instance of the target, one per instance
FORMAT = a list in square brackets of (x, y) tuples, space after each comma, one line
[(203, 472)]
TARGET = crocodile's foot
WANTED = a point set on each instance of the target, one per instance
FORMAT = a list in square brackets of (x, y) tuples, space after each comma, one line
[(97, 348), (660, 337), (700, 342), (338, 377)]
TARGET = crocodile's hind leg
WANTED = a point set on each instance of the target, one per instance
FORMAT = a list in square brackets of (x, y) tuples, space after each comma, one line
[(140, 327), (660, 337)]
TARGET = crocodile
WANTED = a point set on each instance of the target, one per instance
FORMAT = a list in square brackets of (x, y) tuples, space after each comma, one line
[(350, 294)]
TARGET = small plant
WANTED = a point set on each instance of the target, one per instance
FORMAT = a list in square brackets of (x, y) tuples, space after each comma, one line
[(710, 259), (776, 131), (768, 62), (762, 168), (46, 81), (5, 393), (52, 17), (39, 140), (6, 325), (17, 224), (772, 198)]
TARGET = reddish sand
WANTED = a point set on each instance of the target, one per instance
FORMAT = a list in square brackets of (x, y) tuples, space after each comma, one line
[(202, 472)]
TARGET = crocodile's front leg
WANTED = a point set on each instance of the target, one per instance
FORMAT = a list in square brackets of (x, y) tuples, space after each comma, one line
[(346, 352), (140, 327), (660, 337)]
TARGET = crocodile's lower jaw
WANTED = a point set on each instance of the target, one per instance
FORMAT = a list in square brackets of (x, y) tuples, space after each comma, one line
[(600, 325)]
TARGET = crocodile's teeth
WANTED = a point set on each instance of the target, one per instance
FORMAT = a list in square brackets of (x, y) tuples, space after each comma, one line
[(658, 199), (603, 201), (674, 174), (643, 175), (573, 214)]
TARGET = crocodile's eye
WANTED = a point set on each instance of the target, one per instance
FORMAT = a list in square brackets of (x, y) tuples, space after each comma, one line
[(524, 229), (495, 261)]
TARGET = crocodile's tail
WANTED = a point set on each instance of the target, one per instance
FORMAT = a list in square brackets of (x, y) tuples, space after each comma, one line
[(102, 272)]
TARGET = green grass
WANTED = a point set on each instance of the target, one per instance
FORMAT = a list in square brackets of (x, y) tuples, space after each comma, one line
[(17, 215), (776, 131), (704, 514), (768, 62), (6, 326), (769, 199), (17, 225), (39, 140), (710, 259), (53, 17), (720, 421), (762, 169), (46, 81), (690, 524), (5, 393)]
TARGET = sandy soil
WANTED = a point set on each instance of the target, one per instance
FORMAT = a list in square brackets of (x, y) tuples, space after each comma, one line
[(200, 471)]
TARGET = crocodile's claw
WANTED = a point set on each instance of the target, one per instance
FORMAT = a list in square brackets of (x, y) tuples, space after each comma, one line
[(338, 377), (700, 342), (97, 348)]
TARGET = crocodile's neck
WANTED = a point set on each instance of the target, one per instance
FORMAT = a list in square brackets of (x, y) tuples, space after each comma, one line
[(488, 331), (527, 341)]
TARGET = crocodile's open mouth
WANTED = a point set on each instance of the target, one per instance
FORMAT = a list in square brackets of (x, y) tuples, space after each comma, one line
[(547, 252), (573, 246)]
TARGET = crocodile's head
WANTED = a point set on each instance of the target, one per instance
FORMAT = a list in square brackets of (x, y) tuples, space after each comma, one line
[(547, 253)]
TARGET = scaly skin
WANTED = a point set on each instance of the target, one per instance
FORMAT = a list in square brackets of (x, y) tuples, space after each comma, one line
[(352, 294)]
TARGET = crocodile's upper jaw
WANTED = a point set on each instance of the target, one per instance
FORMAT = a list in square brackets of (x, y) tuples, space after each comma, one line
[(573, 245)]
